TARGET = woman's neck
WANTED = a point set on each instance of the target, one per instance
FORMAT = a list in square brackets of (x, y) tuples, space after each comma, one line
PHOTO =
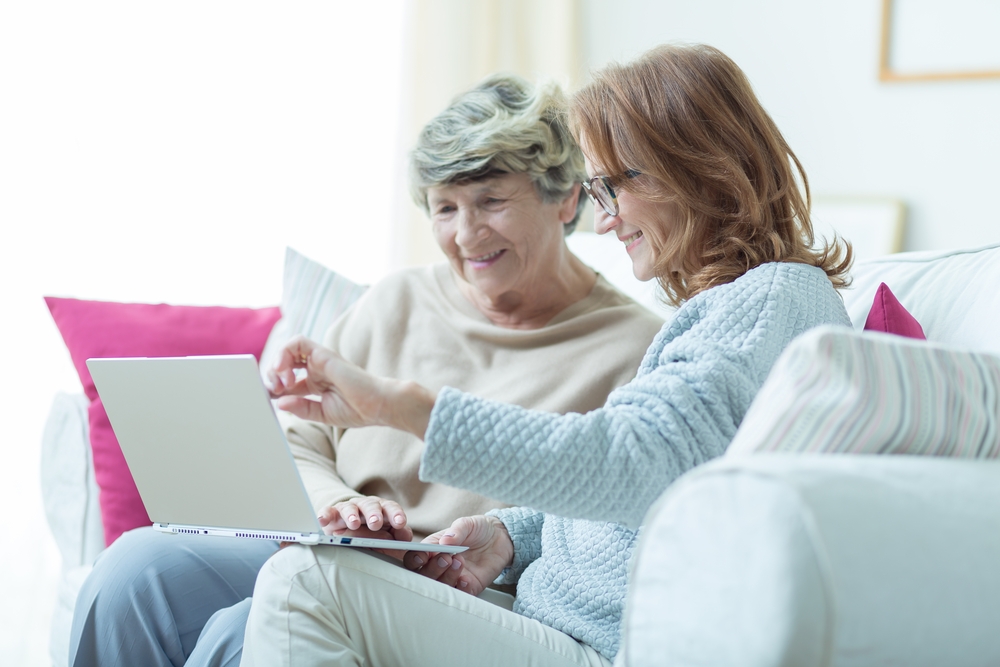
[(554, 292)]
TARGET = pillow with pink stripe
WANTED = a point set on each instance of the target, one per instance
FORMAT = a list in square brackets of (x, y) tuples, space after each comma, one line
[(888, 315), (837, 390), (106, 329)]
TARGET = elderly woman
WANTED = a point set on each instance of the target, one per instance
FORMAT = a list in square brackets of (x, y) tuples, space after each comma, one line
[(694, 178), (512, 315)]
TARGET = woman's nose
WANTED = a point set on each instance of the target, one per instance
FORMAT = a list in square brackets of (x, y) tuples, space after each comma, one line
[(469, 229), (604, 223)]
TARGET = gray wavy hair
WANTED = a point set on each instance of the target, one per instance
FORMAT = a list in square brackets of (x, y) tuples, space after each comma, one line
[(503, 125)]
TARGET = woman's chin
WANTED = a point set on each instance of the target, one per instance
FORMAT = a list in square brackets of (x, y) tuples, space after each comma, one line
[(642, 273), (487, 284)]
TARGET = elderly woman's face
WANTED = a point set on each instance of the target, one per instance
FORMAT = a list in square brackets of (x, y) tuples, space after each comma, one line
[(499, 235)]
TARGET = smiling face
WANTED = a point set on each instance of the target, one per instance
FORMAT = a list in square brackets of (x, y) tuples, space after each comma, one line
[(502, 240), (637, 219)]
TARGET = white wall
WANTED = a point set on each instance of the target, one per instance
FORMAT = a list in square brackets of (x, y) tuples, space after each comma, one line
[(168, 151), (814, 66)]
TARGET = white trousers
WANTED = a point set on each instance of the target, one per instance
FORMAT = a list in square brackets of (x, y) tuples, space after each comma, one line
[(336, 606)]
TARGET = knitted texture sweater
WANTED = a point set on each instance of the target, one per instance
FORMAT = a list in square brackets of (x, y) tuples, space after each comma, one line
[(589, 478)]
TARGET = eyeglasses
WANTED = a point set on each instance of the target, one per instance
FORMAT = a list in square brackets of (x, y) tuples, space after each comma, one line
[(599, 189)]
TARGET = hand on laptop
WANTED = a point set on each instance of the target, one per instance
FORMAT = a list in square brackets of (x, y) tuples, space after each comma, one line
[(490, 551), (383, 520), (376, 513)]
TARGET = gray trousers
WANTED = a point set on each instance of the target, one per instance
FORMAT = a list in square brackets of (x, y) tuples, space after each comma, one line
[(158, 600)]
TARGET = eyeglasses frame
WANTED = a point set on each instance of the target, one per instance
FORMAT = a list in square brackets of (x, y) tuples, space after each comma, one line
[(606, 181)]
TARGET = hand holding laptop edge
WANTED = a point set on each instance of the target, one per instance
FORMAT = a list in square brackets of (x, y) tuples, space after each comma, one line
[(490, 550)]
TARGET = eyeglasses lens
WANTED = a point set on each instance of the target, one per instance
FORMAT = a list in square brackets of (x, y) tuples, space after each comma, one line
[(604, 196)]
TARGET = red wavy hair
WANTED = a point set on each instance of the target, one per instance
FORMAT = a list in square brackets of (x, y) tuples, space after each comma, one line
[(687, 118)]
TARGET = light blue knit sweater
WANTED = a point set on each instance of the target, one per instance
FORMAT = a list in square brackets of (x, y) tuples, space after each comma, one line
[(592, 477)]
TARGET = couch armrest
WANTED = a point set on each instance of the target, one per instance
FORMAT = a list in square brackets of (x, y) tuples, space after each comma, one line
[(820, 560), (69, 490)]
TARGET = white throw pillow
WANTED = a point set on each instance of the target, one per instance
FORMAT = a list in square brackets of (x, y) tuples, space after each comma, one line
[(837, 390), (312, 299), (952, 294)]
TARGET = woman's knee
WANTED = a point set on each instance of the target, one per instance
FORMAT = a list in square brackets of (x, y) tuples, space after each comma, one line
[(281, 568), (124, 567), (144, 566), (119, 584)]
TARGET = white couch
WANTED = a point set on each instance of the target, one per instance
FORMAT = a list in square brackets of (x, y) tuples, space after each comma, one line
[(880, 529), (836, 560)]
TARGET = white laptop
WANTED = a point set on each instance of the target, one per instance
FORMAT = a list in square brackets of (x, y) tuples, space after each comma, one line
[(207, 453)]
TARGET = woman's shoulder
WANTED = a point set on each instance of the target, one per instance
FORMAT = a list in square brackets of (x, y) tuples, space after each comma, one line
[(772, 282), (788, 283), (384, 311), (392, 297), (772, 296), (400, 289), (406, 280)]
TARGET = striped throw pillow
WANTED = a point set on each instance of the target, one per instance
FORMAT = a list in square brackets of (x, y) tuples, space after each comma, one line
[(834, 390), (312, 299)]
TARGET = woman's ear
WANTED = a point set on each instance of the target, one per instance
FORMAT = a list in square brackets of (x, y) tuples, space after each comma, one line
[(567, 209)]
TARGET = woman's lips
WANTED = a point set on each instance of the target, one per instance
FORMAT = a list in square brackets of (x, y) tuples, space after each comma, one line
[(489, 259), (632, 241)]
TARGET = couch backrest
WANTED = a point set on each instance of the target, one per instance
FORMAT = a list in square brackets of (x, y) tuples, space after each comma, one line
[(955, 295)]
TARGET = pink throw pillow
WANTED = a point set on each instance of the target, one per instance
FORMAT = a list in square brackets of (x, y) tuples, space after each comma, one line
[(105, 329), (888, 315)]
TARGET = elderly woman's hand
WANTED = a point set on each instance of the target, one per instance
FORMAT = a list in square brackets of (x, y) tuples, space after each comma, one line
[(490, 551), (370, 511), (348, 396)]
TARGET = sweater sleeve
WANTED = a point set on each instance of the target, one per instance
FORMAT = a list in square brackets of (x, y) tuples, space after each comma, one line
[(607, 465), (524, 526)]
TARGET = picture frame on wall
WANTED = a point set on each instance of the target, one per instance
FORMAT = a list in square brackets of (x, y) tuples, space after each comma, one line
[(930, 40), (873, 225)]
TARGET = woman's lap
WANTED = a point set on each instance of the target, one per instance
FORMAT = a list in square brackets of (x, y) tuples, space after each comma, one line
[(324, 605), (151, 595)]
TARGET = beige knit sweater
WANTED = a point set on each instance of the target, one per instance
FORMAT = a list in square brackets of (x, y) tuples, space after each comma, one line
[(416, 325)]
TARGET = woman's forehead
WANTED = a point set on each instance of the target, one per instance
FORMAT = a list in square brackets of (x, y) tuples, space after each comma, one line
[(472, 188), (592, 166)]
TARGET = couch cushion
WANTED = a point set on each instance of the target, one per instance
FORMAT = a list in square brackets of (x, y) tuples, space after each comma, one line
[(105, 329), (952, 294), (801, 561), (312, 298), (837, 390)]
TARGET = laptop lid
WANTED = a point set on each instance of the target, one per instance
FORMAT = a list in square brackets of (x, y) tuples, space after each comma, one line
[(202, 441)]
